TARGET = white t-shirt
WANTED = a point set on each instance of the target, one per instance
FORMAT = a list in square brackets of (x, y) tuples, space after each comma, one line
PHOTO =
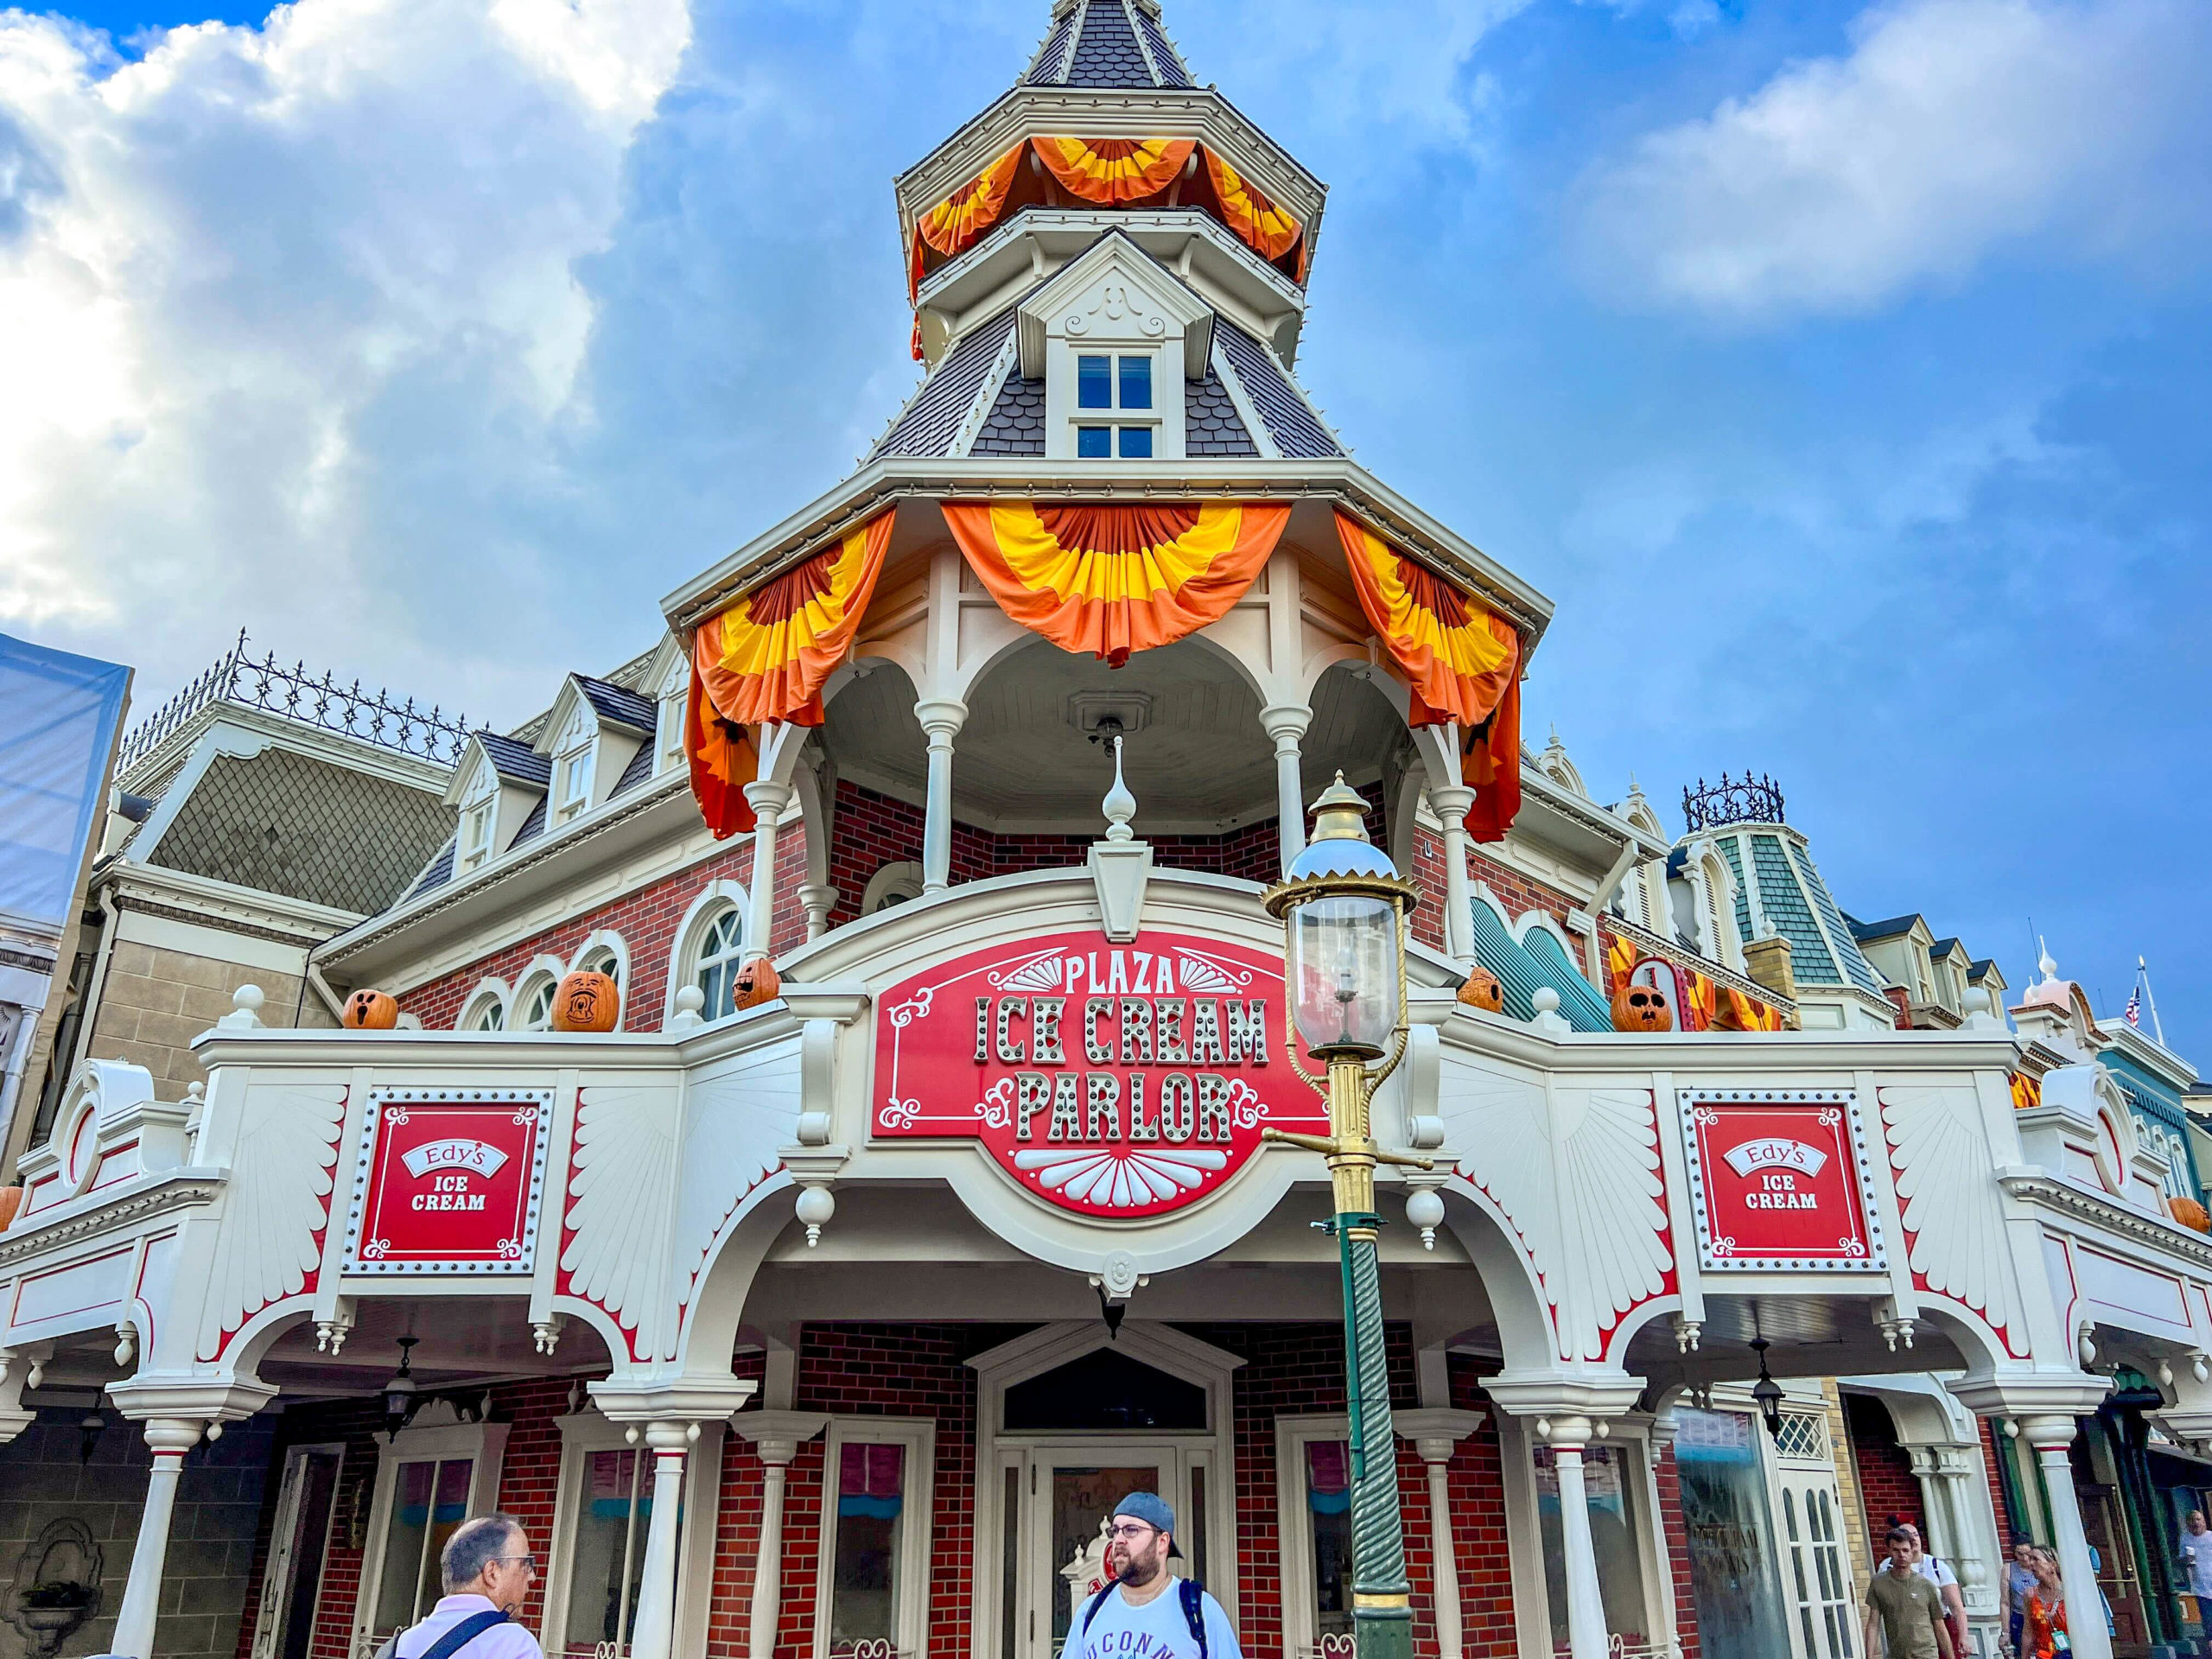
[(1155, 1631), (2196, 1551), (1932, 1569)]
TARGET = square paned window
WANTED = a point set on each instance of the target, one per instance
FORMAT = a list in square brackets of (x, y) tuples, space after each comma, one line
[(1094, 442), (1094, 382), (1136, 381), (1136, 443)]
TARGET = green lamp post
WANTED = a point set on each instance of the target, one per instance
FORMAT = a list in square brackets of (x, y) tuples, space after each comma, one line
[(1344, 909)]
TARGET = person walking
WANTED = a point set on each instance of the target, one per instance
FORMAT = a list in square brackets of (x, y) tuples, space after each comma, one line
[(1146, 1609), (485, 1570), (2196, 1562), (2044, 1636), (2019, 1578), (1907, 1605), (1932, 1568)]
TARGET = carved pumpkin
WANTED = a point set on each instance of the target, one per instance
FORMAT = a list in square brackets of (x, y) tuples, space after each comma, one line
[(1482, 990), (758, 981), (587, 1002), (2188, 1212), (370, 1011), (12, 1200), (1641, 1008)]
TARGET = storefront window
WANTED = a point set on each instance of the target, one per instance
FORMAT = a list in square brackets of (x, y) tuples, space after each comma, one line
[(1328, 1504), (1613, 1510), (864, 1573), (429, 1500), (607, 1555), (1731, 1544)]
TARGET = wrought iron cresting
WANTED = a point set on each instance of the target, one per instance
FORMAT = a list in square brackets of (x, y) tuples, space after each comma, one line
[(1732, 800)]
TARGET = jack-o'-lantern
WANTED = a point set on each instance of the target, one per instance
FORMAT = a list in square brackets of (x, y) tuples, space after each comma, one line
[(1482, 989), (2190, 1214), (758, 981), (587, 1002), (1641, 1008), (12, 1200), (370, 1011)]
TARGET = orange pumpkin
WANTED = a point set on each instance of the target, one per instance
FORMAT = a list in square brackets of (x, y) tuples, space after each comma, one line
[(1641, 1008), (758, 981), (587, 1002), (12, 1200), (1482, 989), (2192, 1214), (370, 1011)]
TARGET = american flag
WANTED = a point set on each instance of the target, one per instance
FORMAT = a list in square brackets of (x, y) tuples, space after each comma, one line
[(2134, 1015)]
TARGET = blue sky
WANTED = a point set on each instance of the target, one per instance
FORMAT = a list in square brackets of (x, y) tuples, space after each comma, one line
[(1841, 372)]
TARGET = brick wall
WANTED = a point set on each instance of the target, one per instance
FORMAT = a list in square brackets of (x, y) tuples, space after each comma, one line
[(211, 1555), (1990, 1455), (1886, 1483)]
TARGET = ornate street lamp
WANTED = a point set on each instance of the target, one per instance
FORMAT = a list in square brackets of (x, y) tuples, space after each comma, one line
[(1343, 909), (400, 1402)]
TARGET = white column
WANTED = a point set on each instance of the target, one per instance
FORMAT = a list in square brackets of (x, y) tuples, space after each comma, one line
[(1286, 723), (1436, 1453), (1450, 803), (1585, 1608), (770, 801), (942, 718), (768, 1560), (653, 1633), (2050, 1436), (818, 899), (171, 1437)]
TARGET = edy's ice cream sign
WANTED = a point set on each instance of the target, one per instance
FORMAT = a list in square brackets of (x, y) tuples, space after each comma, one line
[(1116, 1081)]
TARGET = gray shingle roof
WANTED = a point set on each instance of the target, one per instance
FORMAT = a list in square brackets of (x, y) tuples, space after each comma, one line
[(533, 826), (1095, 44), (1297, 430), (438, 871), (1211, 425), (933, 417), (1884, 930), (639, 769), (518, 760), (1015, 425), (619, 703)]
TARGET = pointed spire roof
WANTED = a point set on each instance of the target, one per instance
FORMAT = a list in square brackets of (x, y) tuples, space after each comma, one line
[(1108, 43)]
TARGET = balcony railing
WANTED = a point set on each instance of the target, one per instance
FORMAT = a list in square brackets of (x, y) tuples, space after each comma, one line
[(369, 717)]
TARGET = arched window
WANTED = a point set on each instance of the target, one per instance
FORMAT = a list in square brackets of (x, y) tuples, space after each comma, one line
[(538, 1003), (721, 952), (894, 884), (602, 959), (486, 1012)]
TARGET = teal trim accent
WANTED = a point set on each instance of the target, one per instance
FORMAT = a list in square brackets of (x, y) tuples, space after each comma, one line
[(1520, 969)]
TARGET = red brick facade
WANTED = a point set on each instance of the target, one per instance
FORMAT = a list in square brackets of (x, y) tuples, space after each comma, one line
[(921, 1370), (1886, 1482)]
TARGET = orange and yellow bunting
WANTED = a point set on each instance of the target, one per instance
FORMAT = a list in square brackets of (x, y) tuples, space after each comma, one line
[(2027, 1092), (767, 656), (723, 761), (1113, 579), (1107, 170), (1462, 660), (955, 223), (1266, 229)]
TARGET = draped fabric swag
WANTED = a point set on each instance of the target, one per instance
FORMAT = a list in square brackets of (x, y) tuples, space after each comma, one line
[(766, 657), (1462, 660), (1113, 579), (1110, 172)]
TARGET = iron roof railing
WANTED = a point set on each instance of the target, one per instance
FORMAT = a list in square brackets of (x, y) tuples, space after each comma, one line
[(1732, 800), (295, 694)]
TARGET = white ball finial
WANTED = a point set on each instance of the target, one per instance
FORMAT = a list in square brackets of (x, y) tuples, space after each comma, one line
[(1120, 807), (1424, 1210), (1546, 1000), (248, 999)]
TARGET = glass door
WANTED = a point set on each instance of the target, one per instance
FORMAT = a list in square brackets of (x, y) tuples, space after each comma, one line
[(1816, 1575), (1070, 1500), (298, 1541)]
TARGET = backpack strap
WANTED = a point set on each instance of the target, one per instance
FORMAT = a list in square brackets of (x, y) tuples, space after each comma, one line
[(1192, 1595), (1090, 1608), (460, 1634)]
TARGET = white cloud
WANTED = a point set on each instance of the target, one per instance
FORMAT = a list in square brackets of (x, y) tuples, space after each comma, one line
[(1951, 127), (260, 279)]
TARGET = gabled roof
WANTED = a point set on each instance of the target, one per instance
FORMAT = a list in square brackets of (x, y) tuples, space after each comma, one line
[(516, 761), (939, 409), (1296, 426), (1867, 931), (1108, 43), (619, 703)]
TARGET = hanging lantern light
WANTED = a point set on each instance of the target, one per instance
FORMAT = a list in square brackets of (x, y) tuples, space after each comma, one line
[(1767, 1391), (399, 1396)]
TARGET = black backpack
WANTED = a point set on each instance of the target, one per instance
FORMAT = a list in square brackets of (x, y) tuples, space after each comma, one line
[(1189, 1592)]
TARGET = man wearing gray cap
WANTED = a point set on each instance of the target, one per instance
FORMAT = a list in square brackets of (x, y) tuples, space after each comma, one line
[(1148, 1612)]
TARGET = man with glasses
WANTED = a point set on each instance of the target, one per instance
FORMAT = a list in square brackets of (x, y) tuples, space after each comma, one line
[(1147, 1611), (485, 1570)]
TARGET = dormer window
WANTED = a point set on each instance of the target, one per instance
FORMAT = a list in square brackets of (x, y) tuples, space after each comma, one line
[(479, 817), (576, 764), (576, 782), (1122, 384)]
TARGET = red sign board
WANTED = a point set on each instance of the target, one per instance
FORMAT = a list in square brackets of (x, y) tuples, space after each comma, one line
[(1108, 1080), (1779, 1181), (448, 1181)]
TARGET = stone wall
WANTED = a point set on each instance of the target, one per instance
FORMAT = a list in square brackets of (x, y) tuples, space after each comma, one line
[(43, 1486), (154, 1001)]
